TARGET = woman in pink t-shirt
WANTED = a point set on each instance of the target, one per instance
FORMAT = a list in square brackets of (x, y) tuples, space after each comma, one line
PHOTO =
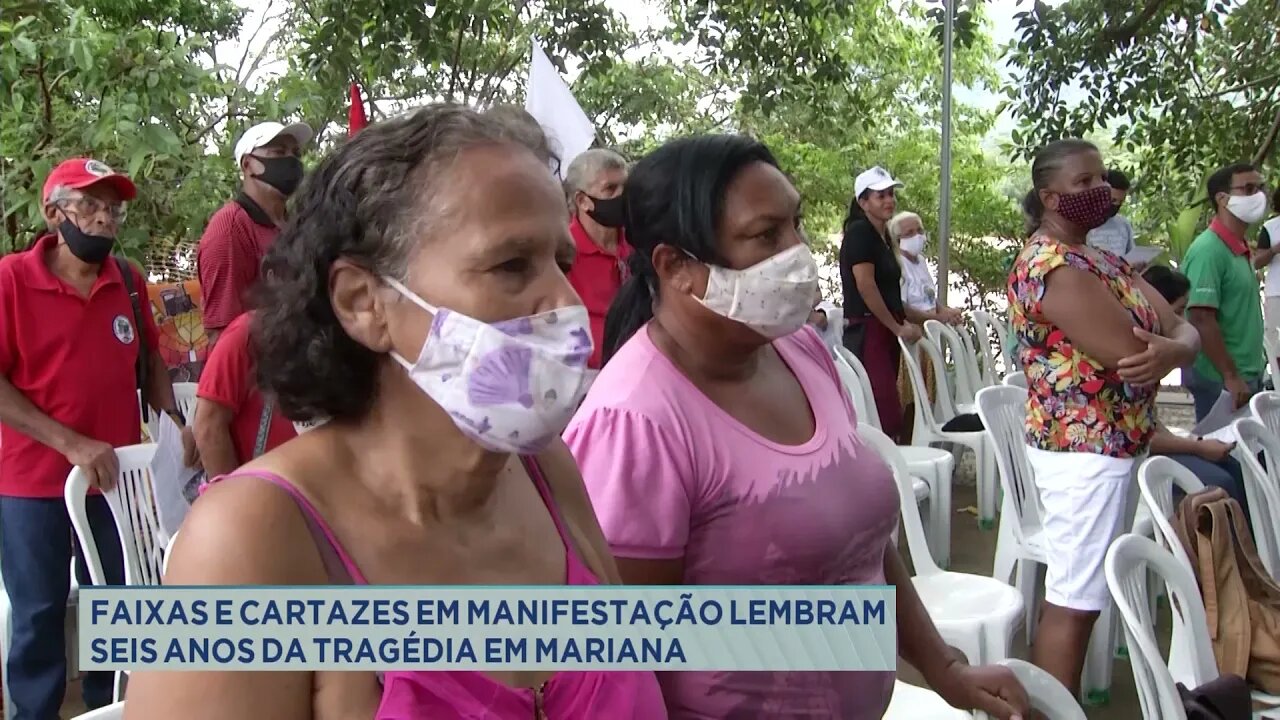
[(718, 446)]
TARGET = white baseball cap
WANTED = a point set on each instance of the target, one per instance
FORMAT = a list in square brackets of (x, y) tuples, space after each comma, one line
[(263, 133), (877, 178)]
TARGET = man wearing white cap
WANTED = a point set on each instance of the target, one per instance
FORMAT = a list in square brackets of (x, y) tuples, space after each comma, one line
[(240, 232)]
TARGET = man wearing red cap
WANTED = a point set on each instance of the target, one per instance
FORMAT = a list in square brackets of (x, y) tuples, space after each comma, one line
[(239, 233), (73, 327)]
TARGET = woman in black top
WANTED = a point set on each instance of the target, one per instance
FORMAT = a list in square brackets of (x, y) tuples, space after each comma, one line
[(873, 311)]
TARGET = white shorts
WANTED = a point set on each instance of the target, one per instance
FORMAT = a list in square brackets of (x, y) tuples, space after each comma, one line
[(1086, 506)]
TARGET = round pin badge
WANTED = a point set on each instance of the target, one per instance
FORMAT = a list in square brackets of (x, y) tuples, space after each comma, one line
[(123, 329)]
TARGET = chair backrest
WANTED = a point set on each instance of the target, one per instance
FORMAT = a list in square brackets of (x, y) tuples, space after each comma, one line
[(110, 712), (1016, 379), (962, 364), (926, 421), (985, 326), (132, 504), (1157, 477), (853, 386), (1129, 560), (917, 545), (1262, 487), (1266, 410), (185, 394), (864, 381), (1003, 410), (1047, 695)]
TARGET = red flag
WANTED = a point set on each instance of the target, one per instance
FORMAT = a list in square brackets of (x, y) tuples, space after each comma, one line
[(356, 119)]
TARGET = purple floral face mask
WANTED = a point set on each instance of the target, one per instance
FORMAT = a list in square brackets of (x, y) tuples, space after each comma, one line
[(510, 386)]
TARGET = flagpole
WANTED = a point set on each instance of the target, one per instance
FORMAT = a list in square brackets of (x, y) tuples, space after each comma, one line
[(944, 197)]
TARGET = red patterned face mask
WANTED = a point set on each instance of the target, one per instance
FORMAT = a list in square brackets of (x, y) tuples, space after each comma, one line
[(1087, 209)]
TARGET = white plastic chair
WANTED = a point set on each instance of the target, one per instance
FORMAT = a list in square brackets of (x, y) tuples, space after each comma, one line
[(1045, 692), (1266, 410), (963, 364), (985, 326), (110, 712), (185, 395), (1016, 379), (928, 430), (932, 467), (1261, 487), (982, 376), (975, 614), (1130, 561), (910, 702), (133, 506), (1020, 545)]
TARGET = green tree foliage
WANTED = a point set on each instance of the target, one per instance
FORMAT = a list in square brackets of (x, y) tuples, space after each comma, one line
[(1182, 87), (135, 84), (833, 87)]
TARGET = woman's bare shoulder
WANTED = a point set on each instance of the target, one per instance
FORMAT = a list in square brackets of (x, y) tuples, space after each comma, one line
[(244, 530)]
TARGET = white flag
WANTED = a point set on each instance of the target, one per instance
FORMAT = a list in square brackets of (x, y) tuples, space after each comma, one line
[(550, 102)]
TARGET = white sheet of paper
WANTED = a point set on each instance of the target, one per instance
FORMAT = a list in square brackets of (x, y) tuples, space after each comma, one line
[(168, 477), (1143, 255), (1220, 417)]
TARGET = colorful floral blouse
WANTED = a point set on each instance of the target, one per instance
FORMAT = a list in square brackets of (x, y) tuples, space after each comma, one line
[(1074, 404)]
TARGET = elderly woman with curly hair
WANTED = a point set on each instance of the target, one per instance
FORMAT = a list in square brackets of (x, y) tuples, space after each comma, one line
[(433, 329)]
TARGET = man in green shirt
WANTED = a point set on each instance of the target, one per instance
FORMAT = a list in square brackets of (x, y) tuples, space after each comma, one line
[(1224, 305)]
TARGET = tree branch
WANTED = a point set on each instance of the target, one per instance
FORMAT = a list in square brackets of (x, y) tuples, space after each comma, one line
[(1131, 28), (47, 98), (1240, 88), (454, 65), (1269, 142)]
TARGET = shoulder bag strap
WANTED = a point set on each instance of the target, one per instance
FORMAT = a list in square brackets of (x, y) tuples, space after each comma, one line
[(141, 369), (264, 427)]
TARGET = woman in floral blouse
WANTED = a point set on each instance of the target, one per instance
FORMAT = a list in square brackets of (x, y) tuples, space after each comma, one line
[(1095, 341)]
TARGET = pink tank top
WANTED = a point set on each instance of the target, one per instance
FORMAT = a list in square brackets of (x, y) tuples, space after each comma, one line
[(469, 695)]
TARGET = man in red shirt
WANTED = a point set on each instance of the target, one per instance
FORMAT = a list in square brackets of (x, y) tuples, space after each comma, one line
[(593, 185), (232, 424), (73, 327), (239, 233)]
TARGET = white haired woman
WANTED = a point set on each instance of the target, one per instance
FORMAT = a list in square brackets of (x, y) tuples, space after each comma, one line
[(919, 295)]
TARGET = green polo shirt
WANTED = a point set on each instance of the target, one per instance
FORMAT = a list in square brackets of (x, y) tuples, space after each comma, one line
[(1223, 279)]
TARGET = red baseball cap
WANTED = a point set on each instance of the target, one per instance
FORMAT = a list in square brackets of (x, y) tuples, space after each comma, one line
[(80, 173)]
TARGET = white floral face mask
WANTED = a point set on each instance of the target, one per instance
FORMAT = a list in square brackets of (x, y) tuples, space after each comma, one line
[(510, 386), (773, 297)]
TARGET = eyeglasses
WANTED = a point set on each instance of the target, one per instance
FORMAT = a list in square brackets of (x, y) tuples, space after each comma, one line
[(88, 205), (1250, 188)]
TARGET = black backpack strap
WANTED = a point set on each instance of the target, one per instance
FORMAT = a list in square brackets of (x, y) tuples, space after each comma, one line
[(142, 368)]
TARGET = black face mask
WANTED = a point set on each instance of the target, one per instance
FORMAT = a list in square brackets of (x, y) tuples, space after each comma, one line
[(282, 173), (1115, 210), (92, 249), (609, 212)]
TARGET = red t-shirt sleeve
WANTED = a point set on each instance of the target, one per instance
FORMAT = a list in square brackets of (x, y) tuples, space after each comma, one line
[(218, 261), (227, 378)]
